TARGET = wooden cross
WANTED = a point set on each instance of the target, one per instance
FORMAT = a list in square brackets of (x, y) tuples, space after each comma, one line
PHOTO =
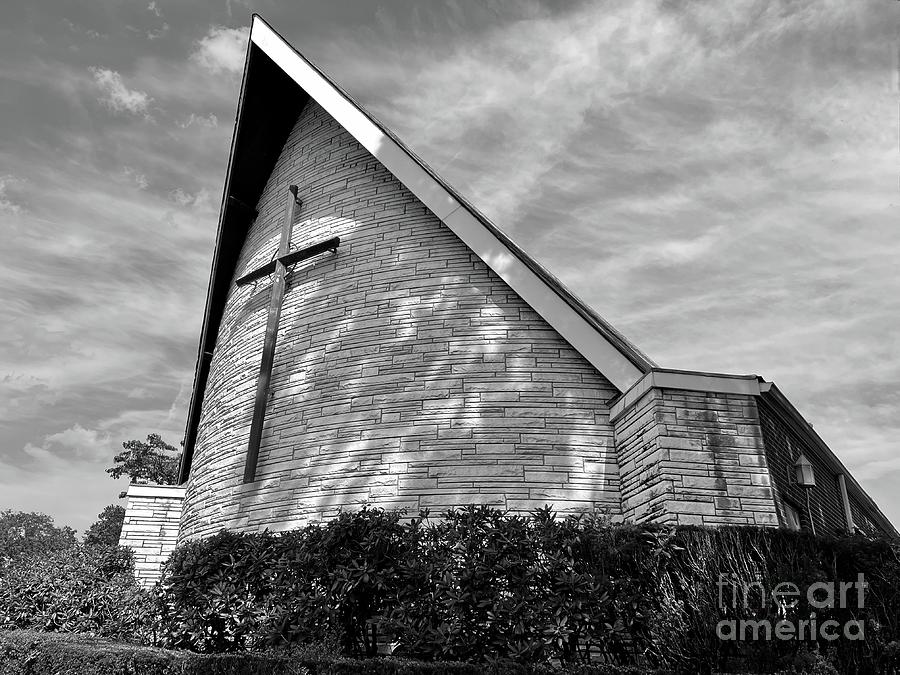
[(283, 258)]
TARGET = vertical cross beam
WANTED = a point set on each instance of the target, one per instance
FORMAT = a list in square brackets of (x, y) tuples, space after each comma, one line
[(268, 355)]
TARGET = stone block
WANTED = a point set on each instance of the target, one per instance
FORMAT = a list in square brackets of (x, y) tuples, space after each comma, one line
[(750, 491), (675, 442), (705, 483), (692, 456), (756, 460), (678, 506), (767, 519)]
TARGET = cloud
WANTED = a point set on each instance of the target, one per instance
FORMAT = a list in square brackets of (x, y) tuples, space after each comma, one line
[(201, 198), (209, 121), (72, 492), (76, 442), (139, 179), (159, 32), (116, 96), (718, 180), (6, 203), (222, 50)]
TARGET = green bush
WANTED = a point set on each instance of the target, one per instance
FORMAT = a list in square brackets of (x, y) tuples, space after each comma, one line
[(477, 586), (235, 591), (78, 590), (481, 586)]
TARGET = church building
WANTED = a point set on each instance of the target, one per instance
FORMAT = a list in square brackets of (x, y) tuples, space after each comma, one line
[(371, 338)]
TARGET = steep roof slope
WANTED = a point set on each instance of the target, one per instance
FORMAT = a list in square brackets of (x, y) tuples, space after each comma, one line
[(277, 83)]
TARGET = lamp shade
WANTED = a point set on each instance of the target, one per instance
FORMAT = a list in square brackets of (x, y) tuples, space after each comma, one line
[(803, 470)]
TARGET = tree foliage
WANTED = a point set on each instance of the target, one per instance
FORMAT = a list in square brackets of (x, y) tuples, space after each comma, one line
[(106, 531), (153, 461), (24, 533), (81, 589)]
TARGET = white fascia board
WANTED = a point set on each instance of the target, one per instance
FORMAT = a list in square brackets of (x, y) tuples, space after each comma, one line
[(715, 383), (405, 168), (592, 345), (170, 491), (601, 353)]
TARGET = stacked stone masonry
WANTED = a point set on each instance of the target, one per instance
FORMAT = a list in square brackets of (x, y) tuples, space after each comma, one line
[(407, 374), (150, 527), (691, 457)]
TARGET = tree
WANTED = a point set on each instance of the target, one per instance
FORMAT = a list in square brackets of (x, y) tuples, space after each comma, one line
[(152, 462), (106, 531), (23, 533)]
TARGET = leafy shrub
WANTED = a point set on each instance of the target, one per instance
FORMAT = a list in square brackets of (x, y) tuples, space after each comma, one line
[(481, 585), (81, 589), (486, 587), (690, 605), (235, 591)]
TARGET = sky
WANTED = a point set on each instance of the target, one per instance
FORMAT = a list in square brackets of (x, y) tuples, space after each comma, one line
[(718, 180)]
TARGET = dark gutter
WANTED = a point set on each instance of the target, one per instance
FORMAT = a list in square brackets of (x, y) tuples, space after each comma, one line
[(201, 371)]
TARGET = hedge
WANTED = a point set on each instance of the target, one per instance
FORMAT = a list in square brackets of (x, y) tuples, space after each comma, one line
[(480, 585), (34, 653)]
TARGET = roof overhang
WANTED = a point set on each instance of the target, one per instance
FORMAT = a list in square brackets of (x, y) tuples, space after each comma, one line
[(687, 380), (766, 394), (772, 396), (277, 83)]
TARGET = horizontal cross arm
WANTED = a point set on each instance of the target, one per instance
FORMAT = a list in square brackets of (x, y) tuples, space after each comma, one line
[(290, 259), (310, 251)]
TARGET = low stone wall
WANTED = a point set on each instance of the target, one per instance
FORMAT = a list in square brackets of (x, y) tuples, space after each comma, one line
[(150, 528)]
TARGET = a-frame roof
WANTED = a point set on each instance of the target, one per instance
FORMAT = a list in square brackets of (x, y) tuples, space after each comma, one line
[(277, 83)]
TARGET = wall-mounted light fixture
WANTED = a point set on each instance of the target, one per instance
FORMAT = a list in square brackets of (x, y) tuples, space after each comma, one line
[(803, 472), (805, 478)]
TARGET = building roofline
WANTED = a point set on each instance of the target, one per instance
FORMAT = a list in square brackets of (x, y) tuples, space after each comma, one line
[(776, 399), (688, 380), (591, 335), (769, 394)]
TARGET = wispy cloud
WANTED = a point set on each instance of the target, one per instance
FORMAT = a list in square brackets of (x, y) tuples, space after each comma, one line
[(731, 171), (136, 177), (222, 50), (116, 96), (6, 203), (210, 121), (719, 180)]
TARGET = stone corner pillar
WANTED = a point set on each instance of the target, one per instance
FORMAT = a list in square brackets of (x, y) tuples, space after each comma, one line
[(150, 529), (690, 451)]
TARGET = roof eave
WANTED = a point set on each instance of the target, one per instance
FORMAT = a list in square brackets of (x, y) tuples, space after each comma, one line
[(579, 324), (201, 369), (772, 395)]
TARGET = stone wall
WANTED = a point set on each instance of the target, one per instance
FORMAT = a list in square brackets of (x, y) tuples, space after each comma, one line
[(693, 457), (407, 374), (150, 529), (645, 488)]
